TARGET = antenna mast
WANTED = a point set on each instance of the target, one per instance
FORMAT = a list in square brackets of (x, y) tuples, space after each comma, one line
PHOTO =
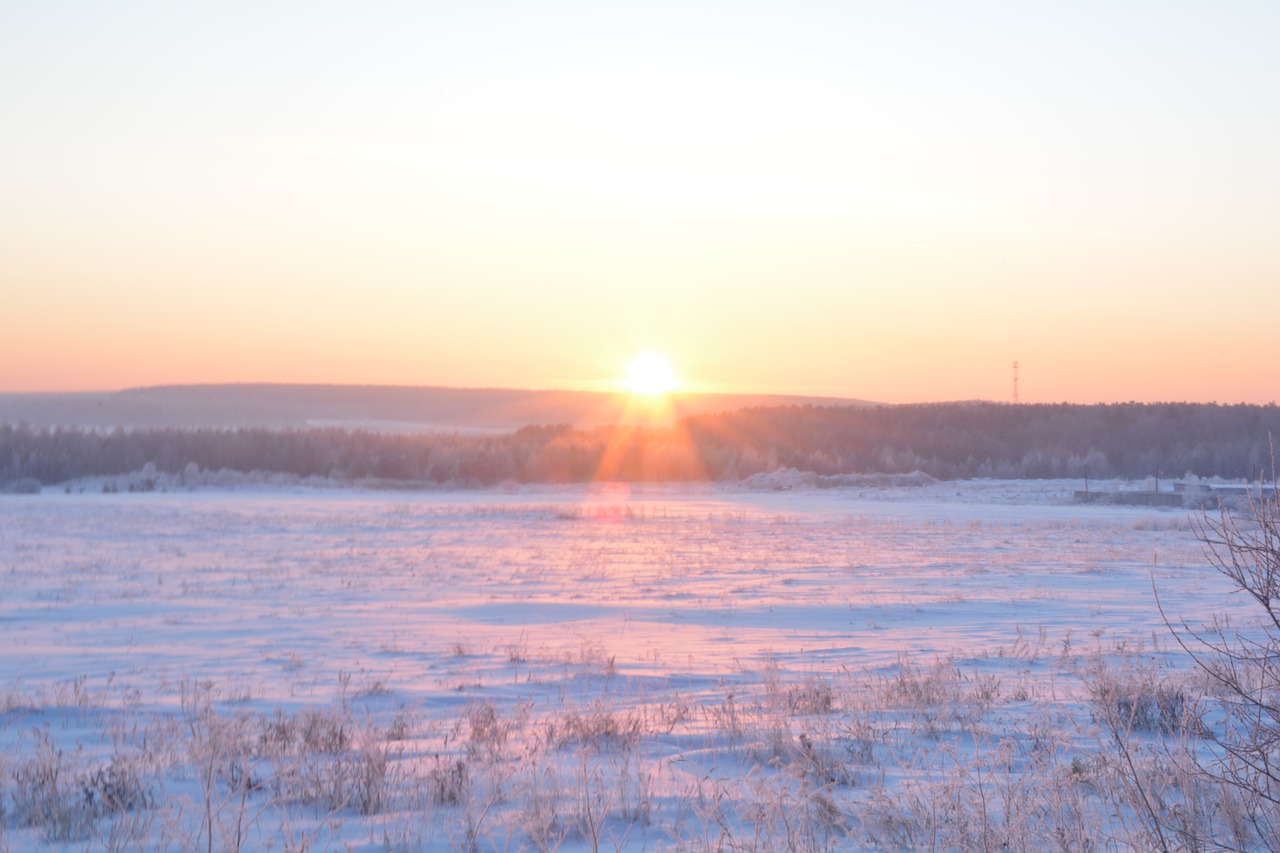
[(1015, 383)]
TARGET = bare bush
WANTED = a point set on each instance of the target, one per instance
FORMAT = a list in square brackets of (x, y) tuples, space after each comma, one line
[(488, 731), (939, 696), (599, 727), (539, 816), (311, 730), (1140, 698), (811, 696), (1242, 665), (448, 781), (45, 793)]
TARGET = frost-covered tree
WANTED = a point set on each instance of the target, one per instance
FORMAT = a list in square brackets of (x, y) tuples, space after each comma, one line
[(1243, 665)]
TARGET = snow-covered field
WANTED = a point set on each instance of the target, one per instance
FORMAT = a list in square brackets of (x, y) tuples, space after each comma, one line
[(642, 668)]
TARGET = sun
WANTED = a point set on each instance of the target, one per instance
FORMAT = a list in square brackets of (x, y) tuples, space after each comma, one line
[(651, 374)]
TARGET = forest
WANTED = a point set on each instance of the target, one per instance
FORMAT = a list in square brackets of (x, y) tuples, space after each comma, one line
[(943, 440)]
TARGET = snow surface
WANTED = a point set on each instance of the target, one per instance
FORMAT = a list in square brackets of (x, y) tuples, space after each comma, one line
[(408, 611)]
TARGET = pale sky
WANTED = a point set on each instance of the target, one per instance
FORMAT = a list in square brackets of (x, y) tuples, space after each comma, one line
[(890, 201)]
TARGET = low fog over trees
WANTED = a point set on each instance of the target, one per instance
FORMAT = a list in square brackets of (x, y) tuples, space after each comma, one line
[(948, 440)]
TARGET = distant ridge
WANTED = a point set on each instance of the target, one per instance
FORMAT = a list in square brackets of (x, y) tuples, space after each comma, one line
[(378, 408)]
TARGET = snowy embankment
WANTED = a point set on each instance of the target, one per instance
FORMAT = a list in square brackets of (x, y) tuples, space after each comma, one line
[(872, 666)]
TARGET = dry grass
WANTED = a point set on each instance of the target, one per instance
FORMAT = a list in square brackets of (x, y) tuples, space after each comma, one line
[(922, 755)]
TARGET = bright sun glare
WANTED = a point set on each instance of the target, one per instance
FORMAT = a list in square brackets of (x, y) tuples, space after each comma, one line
[(650, 374)]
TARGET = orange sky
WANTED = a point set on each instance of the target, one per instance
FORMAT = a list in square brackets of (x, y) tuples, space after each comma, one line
[(803, 198)]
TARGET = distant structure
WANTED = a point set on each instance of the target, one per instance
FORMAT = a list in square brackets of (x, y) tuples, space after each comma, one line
[(1015, 383), (1192, 495)]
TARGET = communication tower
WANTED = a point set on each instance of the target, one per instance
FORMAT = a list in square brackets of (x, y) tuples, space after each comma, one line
[(1015, 383)]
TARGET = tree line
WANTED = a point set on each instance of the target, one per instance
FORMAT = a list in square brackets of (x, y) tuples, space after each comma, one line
[(944, 440)]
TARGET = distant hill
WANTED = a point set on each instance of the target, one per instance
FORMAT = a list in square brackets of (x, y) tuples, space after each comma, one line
[(388, 409)]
